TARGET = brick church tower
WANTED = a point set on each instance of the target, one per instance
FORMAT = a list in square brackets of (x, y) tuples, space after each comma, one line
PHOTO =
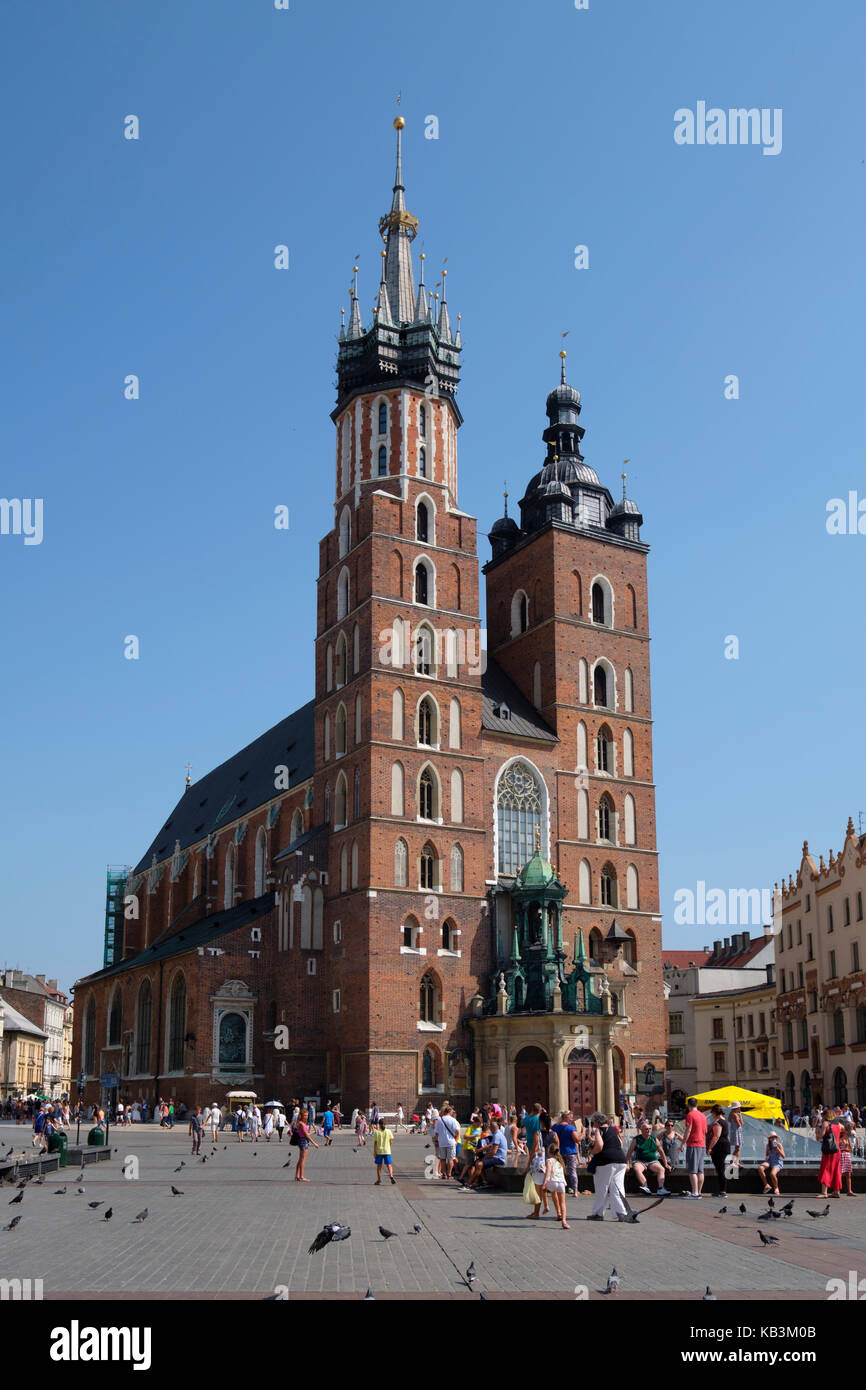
[(398, 687)]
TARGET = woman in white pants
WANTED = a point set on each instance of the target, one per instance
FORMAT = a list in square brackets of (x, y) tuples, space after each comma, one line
[(608, 1168)]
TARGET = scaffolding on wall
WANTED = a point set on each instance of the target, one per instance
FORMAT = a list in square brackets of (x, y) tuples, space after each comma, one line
[(115, 889)]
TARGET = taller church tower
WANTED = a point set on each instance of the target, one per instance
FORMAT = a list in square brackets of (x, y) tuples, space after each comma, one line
[(398, 693)]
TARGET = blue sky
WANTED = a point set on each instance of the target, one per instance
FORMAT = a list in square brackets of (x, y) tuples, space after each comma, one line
[(155, 257)]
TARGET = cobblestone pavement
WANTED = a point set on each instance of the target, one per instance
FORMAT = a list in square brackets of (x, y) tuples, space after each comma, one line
[(243, 1226)]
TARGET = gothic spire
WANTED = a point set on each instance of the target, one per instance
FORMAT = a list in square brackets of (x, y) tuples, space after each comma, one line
[(444, 321), (422, 314), (383, 303), (398, 229), (356, 328)]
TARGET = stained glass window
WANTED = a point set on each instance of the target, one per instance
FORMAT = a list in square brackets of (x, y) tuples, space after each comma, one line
[(518, 804)]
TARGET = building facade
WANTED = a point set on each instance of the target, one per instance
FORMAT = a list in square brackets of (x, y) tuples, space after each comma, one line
[(735, 1038), (821, 953), (42, 1003), (734, 968), (22, 1058), (363, 903)]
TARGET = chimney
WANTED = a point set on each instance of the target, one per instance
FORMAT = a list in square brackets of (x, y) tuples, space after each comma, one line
[(771, 974), (745, 939), (717, 948), (40, 978), (727, 943)]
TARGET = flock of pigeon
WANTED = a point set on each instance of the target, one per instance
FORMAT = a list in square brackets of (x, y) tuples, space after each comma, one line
[(772, 1214)]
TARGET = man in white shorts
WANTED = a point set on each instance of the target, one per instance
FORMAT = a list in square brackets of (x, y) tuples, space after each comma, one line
[(215, 1122), (446, 1133)]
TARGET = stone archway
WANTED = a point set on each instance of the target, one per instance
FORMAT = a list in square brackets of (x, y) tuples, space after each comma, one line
[(582, 1090), (531, 1078)]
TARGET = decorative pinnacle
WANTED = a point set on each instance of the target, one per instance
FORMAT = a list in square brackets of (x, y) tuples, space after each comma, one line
[(563, 354), (538, 839), (188, 771)]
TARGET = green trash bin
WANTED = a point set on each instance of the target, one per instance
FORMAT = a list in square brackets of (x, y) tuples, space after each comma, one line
[(57, 1143), (96, 1138)]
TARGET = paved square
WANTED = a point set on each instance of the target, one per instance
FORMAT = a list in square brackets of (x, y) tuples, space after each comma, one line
[(243, 1226)]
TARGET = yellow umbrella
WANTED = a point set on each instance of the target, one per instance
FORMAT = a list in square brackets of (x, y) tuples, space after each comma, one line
[(751, 1102)]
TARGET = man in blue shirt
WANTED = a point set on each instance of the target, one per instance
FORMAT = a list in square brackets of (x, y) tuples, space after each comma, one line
[(568, 1136), (493, 1154), (328, 1124)]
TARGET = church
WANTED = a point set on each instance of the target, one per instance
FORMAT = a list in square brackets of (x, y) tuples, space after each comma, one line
[(437, 878)]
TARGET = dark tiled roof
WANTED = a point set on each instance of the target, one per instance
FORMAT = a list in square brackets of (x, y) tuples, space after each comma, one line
[(499, 689), (239, 785), (202, 933)]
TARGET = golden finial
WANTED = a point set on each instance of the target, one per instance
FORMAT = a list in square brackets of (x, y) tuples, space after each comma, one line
[(188, 771), (399, 123), (423, 255), (538, 839), (563, 353)]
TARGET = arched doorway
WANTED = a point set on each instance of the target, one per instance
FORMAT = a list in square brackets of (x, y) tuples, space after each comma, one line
[(531, 1079), (840, 1087), (581, 1081)]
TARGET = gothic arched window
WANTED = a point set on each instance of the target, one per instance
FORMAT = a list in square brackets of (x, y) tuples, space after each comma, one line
[(422, 462), (423, 586), (605, 819), (422, 520), (599, 686), (422, 421), (383, 417), (427, 722), (428, 1000), (114, 1019), (143, 1015), (456, 869), (604, 749), (608, 886), (232, 1040), (261, 868), (89, 1049), (428, 867), (401, 864), (427, 795), (427, 1070), (176, 1022), (383, 461), (519, 805)]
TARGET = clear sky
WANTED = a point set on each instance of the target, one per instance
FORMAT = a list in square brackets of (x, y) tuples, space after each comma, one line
[(556, 129)]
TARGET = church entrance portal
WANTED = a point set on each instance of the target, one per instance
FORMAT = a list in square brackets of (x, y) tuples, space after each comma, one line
[(581, 1081), (531, 1081)]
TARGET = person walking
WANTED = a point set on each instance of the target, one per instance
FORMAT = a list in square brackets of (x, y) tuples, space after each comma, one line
[(196, 1127), (718, 1147), (608, 1166), (695, 1145), (215, 1122), (382, 1140), (361, 1127), (269, 1125), (400, 1119), (304, 1140), (280, 1124), (554, 1180), (827, 1132), (328, 1125), (774, 1158), (242, 1124)]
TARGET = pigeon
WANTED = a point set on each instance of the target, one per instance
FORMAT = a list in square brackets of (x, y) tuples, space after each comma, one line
[(631, 1219), (768, 1240), (328, 1233), (788, 1208), (770, 1202), (255, 1153), (417, 1229), (709, 1296), (38, 1182), (743, 1208), (175, 1191), (225, 1146), (108, 1214), (385, 1233), (369, 1296), (204, 1160), (142, 1216), (81, 1191), (94, 1205), (177, 1170), (612, 1282), (470, 1274), (15, 1200), (12, 1224), (60, 1192), (766, 1216), (288, 1163), (816, 1214), (723, 1211)]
